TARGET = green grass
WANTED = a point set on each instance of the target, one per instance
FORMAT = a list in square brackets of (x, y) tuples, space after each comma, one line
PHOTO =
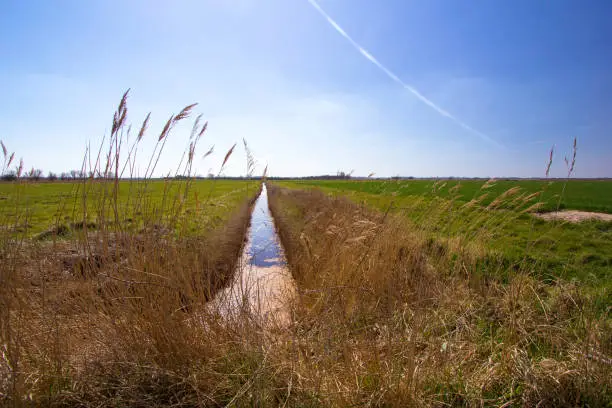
[(586, 195), (550, 249), (36, 207)]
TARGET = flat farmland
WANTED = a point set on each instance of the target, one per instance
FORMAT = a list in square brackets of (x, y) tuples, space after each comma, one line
[(585, 195), (34, 208)]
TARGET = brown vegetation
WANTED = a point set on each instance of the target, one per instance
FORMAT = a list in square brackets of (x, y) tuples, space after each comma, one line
[(74, 317), (386, 317), (113, 313)]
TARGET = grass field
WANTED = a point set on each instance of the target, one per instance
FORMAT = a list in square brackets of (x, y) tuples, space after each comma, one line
[(37, 207), (587, 195)]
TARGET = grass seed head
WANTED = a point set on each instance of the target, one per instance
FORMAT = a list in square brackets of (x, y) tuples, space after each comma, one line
[(143, 128), (203, 129), (550, 160), (227, 155), (209, 152), (166, 128), (184, 114)]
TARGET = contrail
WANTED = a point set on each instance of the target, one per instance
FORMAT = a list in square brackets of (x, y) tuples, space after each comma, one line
[(395, 78)]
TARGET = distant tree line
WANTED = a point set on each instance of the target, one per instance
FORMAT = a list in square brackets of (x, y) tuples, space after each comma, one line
[(73, 175), (340, 175), (37, 175)]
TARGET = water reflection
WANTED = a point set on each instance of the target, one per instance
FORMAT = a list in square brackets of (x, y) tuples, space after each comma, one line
[(264, 248)]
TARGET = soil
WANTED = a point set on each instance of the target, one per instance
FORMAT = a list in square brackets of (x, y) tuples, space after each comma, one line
[(575, 216)]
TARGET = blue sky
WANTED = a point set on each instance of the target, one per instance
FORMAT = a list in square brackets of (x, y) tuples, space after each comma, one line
[(516, 76)]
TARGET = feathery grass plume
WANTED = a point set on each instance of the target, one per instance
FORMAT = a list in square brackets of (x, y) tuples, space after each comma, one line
[(482, 197), (203, 129), (371, 175), (550, 160), (194, 139), (166, 128), (191, 152), (209, 152), (472, 203), (455, 189), (570, 170), (250, 163), (184, 114), (196, 125), (535, 207), (489, 183), (570, 167), (10, 160), (265, 173), (532, 196), (435, 185), (250, 159), (131, 156), (20, 168), (227, 155), (143, 128), (121, 114), (7, 161), (501, 199), (163, 136)]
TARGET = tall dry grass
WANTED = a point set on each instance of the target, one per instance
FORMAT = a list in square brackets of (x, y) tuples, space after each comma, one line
[(386, 316), (114, 313)]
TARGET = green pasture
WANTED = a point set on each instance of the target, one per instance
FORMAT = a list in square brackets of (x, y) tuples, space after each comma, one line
[(586, 195), (36, 207)]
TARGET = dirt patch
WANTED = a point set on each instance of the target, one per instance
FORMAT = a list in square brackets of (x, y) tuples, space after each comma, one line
[(575, 216)]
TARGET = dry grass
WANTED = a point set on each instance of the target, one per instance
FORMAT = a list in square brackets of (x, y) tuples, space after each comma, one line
[(117, 316), (385, 318)]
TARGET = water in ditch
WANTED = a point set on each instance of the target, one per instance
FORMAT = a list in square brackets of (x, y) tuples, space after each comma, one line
[(262, 287)]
